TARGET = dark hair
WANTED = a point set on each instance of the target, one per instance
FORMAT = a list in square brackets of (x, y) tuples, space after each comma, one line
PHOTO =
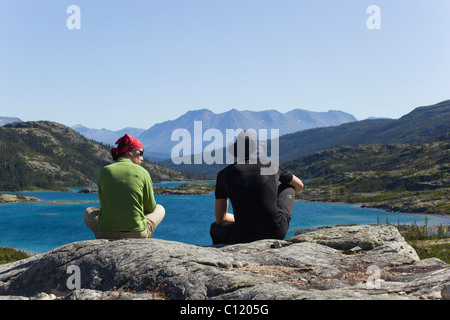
[(115, 154)]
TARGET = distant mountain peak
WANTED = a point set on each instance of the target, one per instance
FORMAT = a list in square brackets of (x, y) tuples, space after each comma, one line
[(6, 120)]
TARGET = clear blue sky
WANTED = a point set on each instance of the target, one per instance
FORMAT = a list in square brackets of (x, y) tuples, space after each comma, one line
[(137, 63)]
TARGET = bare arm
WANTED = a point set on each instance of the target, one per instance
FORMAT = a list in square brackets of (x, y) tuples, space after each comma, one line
[(297, 184), (221, 208)]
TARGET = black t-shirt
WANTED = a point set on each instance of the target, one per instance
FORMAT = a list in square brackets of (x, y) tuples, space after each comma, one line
[(252, 195)]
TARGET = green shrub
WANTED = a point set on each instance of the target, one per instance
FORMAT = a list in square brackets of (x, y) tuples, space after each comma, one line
[(8, 255)]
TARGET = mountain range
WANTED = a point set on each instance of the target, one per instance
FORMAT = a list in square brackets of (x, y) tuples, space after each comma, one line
[(49, 155), (106, 136), (423, 124), (157, 139)]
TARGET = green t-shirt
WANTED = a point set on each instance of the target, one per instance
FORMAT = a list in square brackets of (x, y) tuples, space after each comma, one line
[(125, 191)]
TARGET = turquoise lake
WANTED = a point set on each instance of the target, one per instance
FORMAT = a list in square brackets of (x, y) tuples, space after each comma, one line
[(46, 224)]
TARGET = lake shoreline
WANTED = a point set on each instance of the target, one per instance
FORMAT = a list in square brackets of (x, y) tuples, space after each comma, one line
[(417, 202), (395, 202), (362, 206)]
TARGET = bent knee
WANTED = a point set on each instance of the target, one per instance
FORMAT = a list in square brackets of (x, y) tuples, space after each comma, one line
[(160, 209)]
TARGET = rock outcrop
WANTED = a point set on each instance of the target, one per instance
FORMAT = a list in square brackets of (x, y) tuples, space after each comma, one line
[(355, 262)]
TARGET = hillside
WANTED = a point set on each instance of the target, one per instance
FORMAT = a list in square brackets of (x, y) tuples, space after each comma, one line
[(421, 125), (49, 155), (396, 177)]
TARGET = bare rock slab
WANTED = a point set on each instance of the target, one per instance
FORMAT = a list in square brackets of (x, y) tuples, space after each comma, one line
[(356, 262)]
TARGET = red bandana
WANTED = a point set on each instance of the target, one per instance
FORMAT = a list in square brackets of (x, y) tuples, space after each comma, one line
[(129, 144)]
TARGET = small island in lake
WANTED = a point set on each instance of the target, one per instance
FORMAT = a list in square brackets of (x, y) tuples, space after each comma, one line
[(193, 188), (15, 198)]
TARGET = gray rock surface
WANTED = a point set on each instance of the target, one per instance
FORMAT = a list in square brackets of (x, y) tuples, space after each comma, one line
[(356, 262)]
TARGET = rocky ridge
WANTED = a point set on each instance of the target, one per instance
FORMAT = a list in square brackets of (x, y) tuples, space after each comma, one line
[(352, 262)]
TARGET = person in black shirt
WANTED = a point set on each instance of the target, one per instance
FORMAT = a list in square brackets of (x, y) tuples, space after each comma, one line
[(262, 203)]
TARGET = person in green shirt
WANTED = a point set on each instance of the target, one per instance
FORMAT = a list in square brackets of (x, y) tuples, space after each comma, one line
[(127, 204)]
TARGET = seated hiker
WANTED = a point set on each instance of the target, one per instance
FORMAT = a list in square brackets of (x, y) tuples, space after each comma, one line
[(125, 189), (262, 203)]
